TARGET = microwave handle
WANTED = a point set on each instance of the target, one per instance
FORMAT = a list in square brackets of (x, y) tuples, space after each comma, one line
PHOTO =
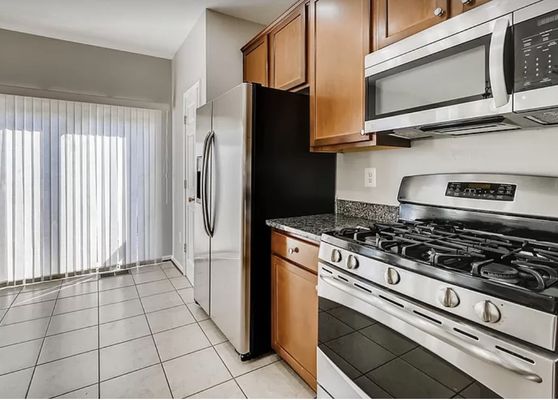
[(496, 63)]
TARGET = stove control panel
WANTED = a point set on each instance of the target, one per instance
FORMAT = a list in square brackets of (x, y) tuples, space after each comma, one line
[(482, 191)]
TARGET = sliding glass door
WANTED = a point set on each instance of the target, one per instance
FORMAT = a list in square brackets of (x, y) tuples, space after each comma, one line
[(82, 187)]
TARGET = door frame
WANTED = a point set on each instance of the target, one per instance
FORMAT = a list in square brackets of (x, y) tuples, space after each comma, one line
[(191, 100)]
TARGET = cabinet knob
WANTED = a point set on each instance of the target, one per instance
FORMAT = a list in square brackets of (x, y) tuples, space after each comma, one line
[(439, 11), (293, 250)]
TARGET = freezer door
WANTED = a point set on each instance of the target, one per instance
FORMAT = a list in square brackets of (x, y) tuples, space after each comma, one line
[(202, 259), (230, 215)]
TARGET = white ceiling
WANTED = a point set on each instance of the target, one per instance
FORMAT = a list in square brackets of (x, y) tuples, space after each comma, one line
[(153, 27)]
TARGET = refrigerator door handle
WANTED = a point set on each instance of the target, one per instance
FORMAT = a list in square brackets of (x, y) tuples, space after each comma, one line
[(211, 159), (204, 184), (207, 158)]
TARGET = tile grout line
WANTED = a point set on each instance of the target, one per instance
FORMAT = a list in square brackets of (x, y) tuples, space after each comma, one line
[(9, 307), (88, 308), (139, 298), (152, 337), (41, 347), (212, 345), (104, 323)]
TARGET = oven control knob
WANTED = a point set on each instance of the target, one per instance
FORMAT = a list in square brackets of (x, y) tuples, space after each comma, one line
[(487, 311), (336, 256), (392, 276), (352, 262), (448, 298)]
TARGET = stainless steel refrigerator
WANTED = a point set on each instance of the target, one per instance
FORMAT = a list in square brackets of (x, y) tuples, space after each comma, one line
[(253, 163)]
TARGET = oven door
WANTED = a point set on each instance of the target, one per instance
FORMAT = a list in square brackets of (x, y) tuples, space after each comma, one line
[(377, 344), (467, 76)]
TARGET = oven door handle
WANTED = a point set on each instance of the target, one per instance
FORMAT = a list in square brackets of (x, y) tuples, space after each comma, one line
[(496, 62), (443, 335)]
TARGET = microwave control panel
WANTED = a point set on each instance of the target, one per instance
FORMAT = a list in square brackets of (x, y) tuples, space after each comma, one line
[(482, 191), (536, 52)]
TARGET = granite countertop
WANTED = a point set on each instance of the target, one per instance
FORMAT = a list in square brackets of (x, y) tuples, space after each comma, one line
[(311, 227)]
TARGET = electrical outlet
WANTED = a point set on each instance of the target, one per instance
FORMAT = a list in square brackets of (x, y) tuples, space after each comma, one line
[(370, 177)]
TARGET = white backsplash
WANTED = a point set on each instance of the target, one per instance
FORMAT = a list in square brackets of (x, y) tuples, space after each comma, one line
[(532, 152)]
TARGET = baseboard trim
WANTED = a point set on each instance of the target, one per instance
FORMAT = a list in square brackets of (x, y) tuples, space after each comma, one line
[(177, 264), (112, 269)]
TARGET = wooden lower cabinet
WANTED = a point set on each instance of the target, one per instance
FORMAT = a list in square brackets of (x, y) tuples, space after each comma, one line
[(295, 316)]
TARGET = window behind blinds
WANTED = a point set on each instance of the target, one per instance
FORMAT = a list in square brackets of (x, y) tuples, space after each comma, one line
[(82, 187)]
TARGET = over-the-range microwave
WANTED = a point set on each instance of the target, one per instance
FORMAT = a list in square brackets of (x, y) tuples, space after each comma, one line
[(493, 68)]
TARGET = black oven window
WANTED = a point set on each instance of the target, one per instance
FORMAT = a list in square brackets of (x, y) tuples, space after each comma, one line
[(384, 363)]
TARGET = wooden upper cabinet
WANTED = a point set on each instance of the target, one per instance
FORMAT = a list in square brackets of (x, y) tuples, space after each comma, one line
[(397, 19), (339, 41), (458, 6), (256, 62), (287, 42)]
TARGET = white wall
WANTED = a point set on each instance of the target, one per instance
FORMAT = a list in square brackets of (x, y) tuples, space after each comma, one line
[(210, 55), (62, 67), (524, 152), (188, 67), (225, 36)]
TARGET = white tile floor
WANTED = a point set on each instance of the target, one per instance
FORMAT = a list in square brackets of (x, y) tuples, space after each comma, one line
[(138, 335)]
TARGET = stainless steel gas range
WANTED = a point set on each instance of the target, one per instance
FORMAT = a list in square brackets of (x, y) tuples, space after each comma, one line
[(459, 298)]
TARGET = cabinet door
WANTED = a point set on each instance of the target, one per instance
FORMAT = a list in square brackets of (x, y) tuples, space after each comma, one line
[(339, 41), (397, 19), (295, 317), (458, 6), (288, 51), (255, 62)]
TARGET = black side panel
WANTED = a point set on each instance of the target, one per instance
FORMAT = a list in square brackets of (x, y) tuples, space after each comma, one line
[(287, 181)]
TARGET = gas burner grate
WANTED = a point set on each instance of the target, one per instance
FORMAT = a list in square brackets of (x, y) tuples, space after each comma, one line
[(509, 260)]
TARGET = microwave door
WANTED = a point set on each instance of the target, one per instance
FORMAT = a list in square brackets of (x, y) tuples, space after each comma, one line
[(462, 77)]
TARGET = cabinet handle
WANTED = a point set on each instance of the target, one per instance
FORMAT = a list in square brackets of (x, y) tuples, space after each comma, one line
[(466, 2), (292, 251), (439, 11)]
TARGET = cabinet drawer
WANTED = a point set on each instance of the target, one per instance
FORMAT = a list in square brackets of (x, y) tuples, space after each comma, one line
[(295, 250)]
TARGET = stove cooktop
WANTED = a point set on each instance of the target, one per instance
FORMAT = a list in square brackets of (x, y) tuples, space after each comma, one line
[(505, 264)]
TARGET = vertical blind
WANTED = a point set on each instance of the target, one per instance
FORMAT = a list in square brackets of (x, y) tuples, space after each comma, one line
[(83, 187)]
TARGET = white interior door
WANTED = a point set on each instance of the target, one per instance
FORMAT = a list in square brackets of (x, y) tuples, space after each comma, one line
[(191, 103)]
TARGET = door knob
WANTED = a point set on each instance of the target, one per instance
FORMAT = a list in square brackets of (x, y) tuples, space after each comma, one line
[(191, 199)]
